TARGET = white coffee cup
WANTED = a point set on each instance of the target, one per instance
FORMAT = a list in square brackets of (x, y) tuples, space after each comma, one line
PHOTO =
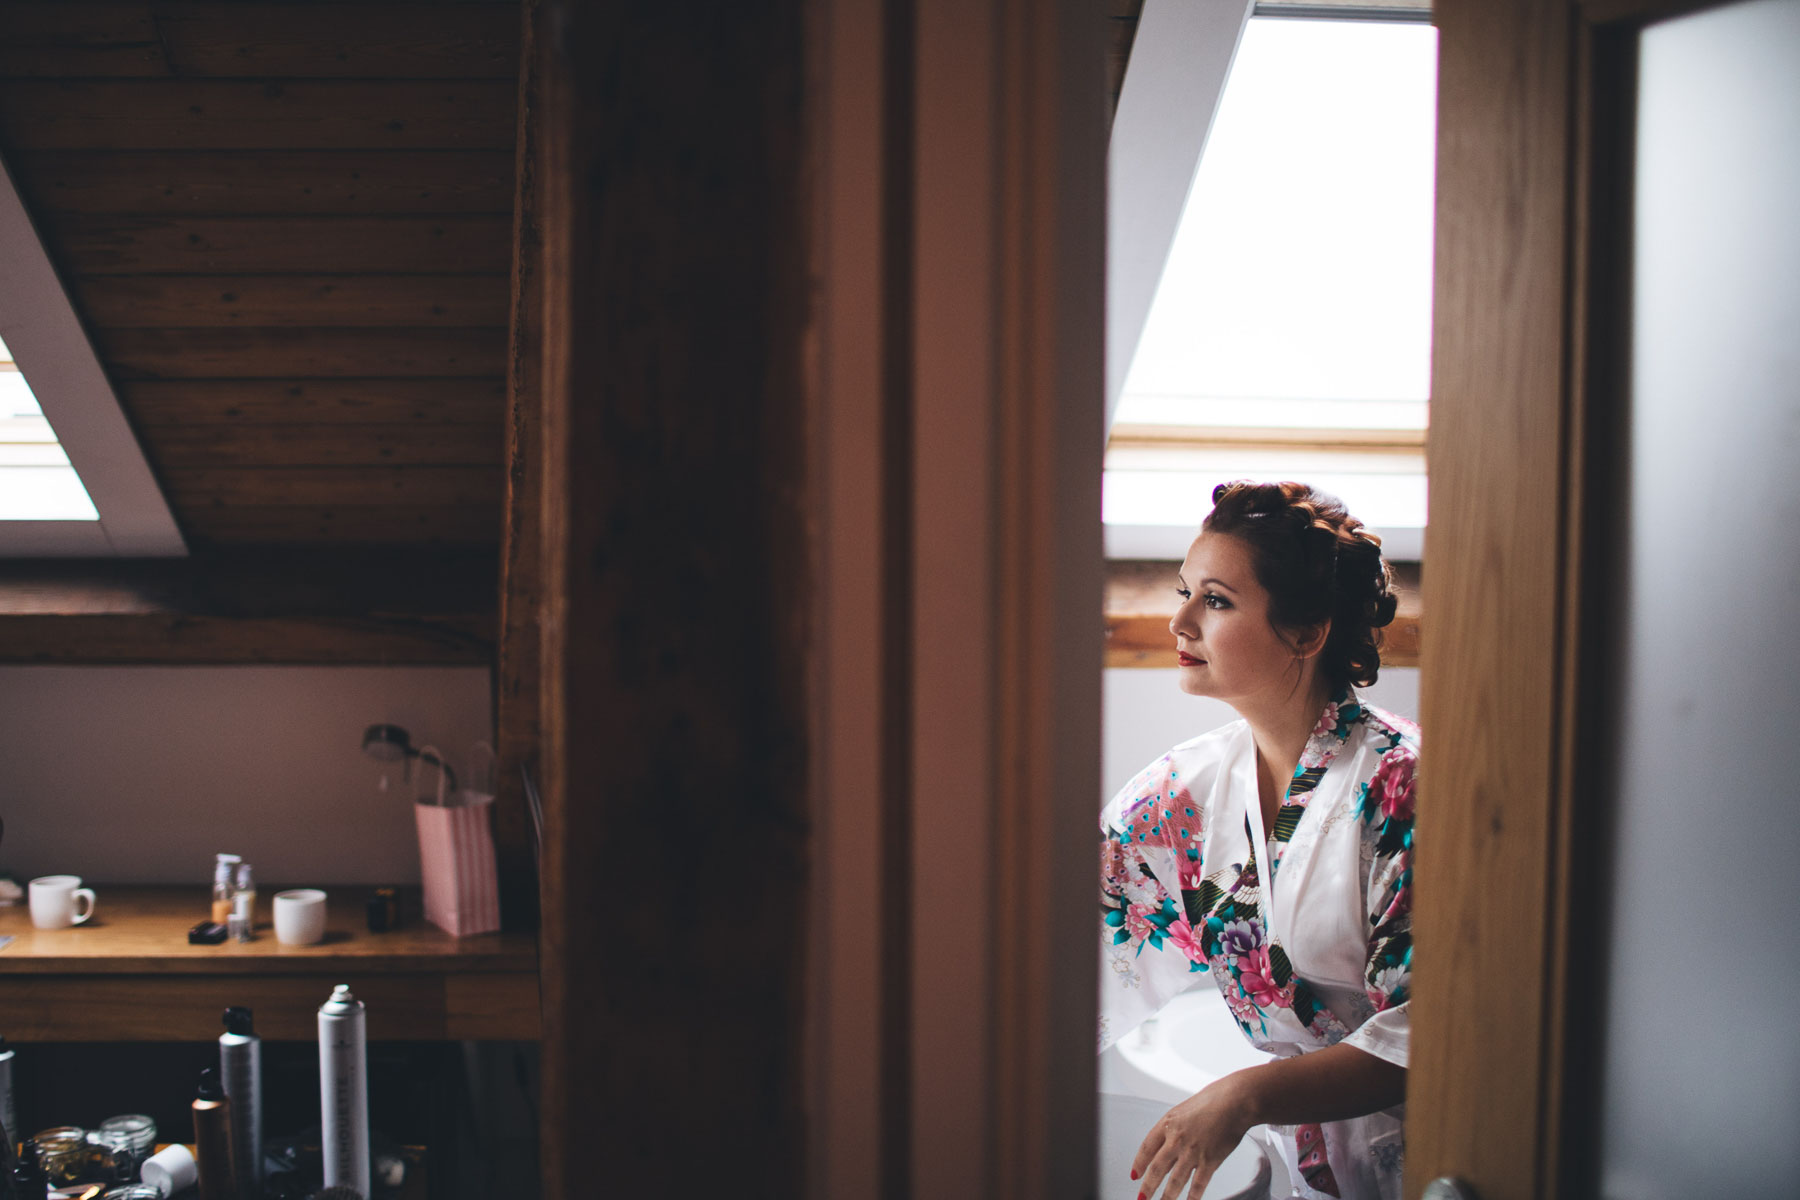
[(55, 900), (300, 917)]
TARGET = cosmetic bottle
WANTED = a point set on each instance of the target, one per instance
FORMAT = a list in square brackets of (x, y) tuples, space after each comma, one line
[(344, 1091), (224, 868), (212, 1139), (240, 1070), (8, 1116), (244, 899), (6, 1162)]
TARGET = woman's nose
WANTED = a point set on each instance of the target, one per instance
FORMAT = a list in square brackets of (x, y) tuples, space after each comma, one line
[(1180, 625)]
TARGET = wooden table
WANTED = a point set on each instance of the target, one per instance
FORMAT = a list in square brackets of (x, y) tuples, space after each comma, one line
[(129, 975)]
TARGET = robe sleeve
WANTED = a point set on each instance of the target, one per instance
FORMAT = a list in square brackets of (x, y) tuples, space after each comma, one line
[(1150, 843), (1388, 806)]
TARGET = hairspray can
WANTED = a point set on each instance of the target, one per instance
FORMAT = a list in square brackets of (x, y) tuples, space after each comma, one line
[(240, 1069), (8, 1117), (344, 1091)]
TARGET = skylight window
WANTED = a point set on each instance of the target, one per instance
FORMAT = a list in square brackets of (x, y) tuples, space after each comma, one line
[(1290, 333), (37, 482)]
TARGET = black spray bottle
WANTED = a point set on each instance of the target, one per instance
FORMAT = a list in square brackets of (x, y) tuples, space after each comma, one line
[(240, 1070)]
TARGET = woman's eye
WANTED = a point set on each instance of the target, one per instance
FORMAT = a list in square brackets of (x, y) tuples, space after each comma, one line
[(1184, 593), (1214, 600)]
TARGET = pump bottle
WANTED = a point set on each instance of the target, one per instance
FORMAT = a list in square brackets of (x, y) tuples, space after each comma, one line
[(212, 1139)]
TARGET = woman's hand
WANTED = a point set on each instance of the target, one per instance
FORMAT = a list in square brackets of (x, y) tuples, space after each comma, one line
[(1193, 1138)]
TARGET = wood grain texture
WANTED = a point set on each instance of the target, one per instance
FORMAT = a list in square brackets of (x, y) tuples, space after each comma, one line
[(156, 114), (331, 403), (1490, 690), (358, 487), (311, 352), (51, 38), (162, 639), (184, 1008), (518, 660), (263, 182), (339, 301), (343, 524), (178, 447), (392, 606), (680, 427), (100, 244)]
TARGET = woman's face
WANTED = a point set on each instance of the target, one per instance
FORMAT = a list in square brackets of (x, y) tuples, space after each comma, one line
[(1224, 643)]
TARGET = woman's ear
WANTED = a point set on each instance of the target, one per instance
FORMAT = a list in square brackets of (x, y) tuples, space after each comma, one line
[(1308, 642)]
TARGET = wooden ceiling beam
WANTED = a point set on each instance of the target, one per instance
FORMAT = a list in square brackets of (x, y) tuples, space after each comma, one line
[(392, 605), (259, 525), (358, 487)]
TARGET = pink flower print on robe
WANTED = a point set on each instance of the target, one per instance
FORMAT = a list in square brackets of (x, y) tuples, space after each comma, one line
[(1186, 940), (1137, 922), (1257, 978), (1394, 782)]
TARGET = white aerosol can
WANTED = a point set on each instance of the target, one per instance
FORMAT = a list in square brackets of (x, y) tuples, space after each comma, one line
[(240, 1070), (8, 1118), (344, 1091)]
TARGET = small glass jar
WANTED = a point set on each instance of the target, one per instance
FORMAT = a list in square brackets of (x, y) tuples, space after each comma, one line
[(134, 1191), (131, 1137), (65, 1154)]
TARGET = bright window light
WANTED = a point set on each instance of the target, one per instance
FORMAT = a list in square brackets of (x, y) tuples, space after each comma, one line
[(36, 481), (1297, 293)]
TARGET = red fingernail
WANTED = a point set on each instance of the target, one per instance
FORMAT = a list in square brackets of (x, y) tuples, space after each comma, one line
[(1134, 1174)]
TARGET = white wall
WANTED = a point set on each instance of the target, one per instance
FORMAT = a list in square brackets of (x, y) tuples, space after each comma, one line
[(1702, 1065), (142, 774), (1146, 713)]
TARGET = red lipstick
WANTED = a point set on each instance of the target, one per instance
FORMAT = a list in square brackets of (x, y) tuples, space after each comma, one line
[(1187, 660)]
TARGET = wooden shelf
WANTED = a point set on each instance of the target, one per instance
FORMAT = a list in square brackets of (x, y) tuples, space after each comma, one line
[(130, 975)]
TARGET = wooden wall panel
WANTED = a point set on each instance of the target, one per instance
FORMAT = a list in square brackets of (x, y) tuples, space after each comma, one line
[(302, 353), (182, 446), (177, 114), (359, 487), (54, 38), (98, 244), (328, 403), (150, 302), (254, 201), (342, 524), (265, 182)]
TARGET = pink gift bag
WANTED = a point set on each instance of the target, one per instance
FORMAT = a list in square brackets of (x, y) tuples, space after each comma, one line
[(456, 861)]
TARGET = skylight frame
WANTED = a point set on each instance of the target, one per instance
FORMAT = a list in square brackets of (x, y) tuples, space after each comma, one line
[(39, 324), (1145, 445)]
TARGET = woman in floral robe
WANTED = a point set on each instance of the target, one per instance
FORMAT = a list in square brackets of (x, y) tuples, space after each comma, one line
[(1275, 855)]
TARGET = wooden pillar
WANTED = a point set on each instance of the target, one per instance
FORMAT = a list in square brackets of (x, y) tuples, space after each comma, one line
[(518, 655), (674, 719)]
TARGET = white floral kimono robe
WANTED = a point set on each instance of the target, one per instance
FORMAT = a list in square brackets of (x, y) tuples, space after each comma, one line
[(1326, 959)]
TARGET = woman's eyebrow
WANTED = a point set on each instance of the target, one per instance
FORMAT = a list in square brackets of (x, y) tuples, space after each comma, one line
[(1220, 584)]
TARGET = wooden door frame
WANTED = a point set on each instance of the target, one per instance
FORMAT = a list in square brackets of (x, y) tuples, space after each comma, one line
[(958, 424), (1534, 172)]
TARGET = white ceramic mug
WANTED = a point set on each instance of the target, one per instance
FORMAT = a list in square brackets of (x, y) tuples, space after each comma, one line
[(300, 917), (55, 899)]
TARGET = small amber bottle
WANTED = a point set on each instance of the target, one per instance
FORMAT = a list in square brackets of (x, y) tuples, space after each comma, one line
[(213, 1151)]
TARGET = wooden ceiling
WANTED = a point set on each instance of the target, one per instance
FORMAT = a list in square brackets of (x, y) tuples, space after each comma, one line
[(288, 227)]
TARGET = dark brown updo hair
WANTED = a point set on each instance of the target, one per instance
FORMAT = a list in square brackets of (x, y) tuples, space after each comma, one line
[(1318, 564)]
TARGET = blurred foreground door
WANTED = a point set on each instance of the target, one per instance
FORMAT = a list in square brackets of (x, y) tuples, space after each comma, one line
[(1613, 561)]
